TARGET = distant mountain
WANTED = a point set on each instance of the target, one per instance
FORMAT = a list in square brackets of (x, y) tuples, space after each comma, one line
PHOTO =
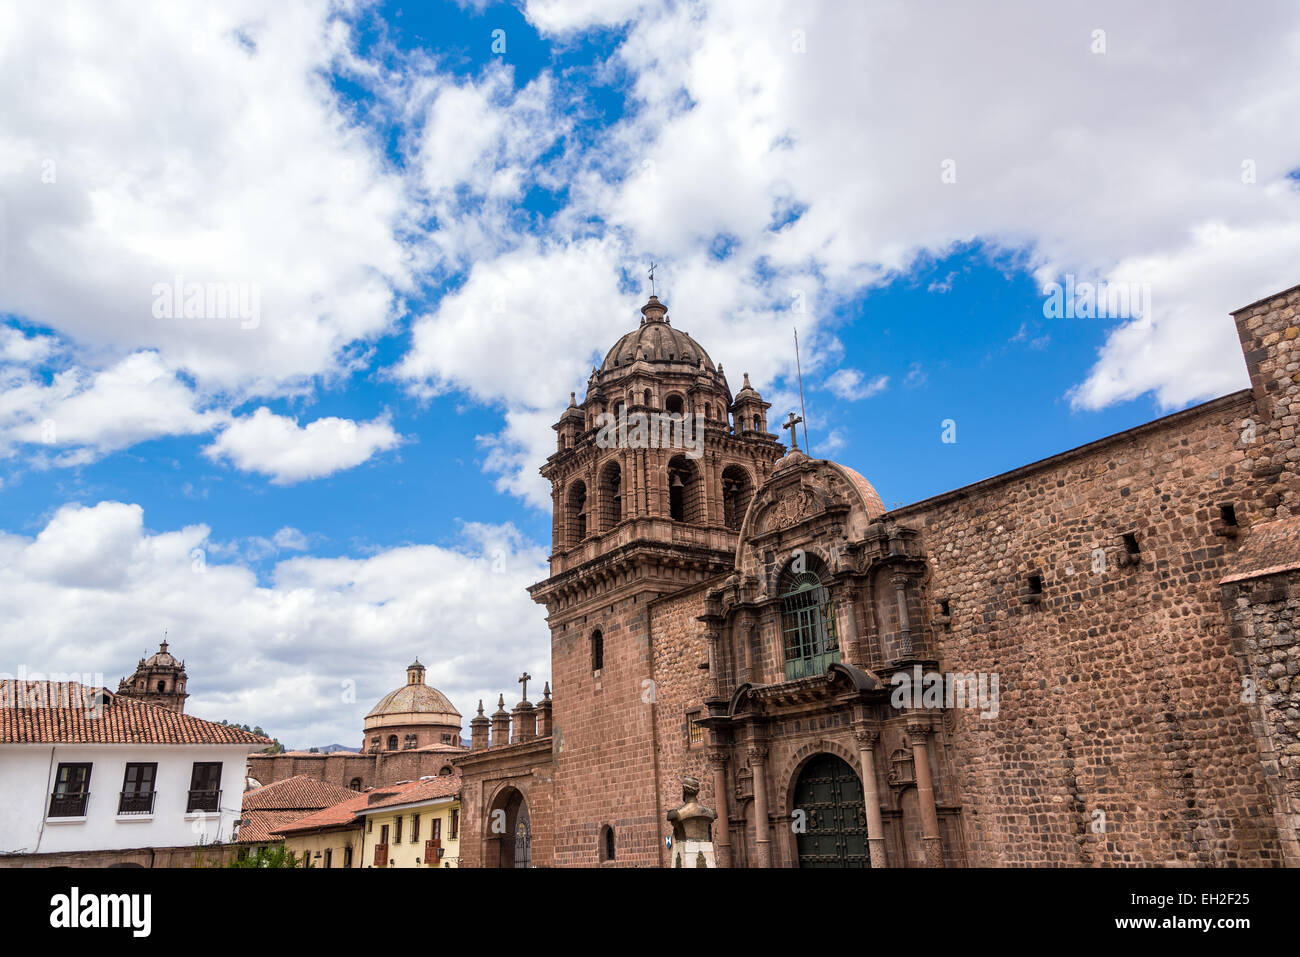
[(331, 748)]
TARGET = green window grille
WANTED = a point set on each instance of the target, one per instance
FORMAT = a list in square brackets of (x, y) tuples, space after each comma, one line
[(808, 627)]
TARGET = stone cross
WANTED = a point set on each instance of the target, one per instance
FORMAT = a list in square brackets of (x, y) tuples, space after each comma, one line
[(794, 434), (524, 681)]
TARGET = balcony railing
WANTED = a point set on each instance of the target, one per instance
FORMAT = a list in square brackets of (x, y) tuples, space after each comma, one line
[(68, 803), (204, 800), (135, 802)]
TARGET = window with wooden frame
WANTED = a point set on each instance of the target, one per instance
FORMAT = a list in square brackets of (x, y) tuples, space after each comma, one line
[(71, 791), (415, 828), (137, 789), (205, 787), (454, 827)]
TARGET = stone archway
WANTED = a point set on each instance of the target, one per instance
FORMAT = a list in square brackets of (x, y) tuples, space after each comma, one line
[(830, 814), (508, 831)]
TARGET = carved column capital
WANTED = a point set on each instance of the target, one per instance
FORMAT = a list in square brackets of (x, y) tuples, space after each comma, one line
[(717, 759), (757, 754), (917, 732), (866, 737)]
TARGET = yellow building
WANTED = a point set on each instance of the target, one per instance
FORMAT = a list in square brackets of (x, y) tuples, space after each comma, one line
[(413, 824), (328, 838)]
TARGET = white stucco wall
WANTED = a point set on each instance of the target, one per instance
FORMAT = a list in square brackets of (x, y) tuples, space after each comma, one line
[(27, 778)]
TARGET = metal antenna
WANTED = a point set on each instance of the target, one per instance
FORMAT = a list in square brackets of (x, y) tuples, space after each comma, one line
[(802, 411)]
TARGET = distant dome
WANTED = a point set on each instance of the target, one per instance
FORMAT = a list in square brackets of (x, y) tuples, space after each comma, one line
[(414, 699), (162, 658), (656, 341)]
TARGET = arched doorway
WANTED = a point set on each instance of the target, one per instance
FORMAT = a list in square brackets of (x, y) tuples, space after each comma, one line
[(834, 832), (509, 836)]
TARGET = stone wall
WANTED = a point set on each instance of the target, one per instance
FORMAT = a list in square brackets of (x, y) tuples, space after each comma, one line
[(1264, 621), (341, 768), (1121, 737)]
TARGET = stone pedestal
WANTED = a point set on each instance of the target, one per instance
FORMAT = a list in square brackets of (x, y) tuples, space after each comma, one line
[(692, 829)]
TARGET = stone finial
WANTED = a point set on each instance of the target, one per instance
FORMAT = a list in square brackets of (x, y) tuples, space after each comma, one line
[(546, 691)]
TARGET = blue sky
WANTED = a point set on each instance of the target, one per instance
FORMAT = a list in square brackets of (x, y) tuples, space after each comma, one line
[(447, 213)]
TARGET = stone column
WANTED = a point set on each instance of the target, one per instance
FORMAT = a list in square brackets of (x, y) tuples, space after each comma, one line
[(917, 731), (722, 840), (866, 738), (904, 629), (762, 831), (712, 686)]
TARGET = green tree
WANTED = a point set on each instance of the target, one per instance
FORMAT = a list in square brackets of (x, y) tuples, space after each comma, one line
[(277, 855)]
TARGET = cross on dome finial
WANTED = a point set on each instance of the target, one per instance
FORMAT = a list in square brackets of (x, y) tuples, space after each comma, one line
[(653, 267), (523, 680), (794, 435)]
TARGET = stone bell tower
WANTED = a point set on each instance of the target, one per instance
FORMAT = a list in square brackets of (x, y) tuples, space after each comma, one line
[(650, 480), (158, 680)]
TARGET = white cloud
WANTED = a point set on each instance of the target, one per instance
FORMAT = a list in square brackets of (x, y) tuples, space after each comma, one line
[(146, 141), (735, 124), (85, 415), (278, 446), (95, 589), (849, 384), (290, 539), (565, 16), (23, 349)]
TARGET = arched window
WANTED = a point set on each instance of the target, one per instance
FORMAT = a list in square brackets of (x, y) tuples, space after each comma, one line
[(611, 496), (673, 404), (162, 686), (807, 624), (647, 398), (392, 742), (606, 847), (737, 491), (355, 784), (577, 512), (597, 650), (683, 491)]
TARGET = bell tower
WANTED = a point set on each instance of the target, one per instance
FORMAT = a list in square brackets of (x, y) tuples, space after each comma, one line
[(650, 481)]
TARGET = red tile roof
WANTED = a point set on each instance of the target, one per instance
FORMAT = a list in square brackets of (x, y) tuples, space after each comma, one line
[(47, 712), (257, 827), (340, 815), (442, 786), (300, 793)]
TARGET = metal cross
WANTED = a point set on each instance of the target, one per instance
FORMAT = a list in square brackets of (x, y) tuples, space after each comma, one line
[(794, 434), (524, 681), (653, 267)]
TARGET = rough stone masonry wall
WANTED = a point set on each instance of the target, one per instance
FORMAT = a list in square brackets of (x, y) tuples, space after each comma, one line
[(1264, 613), (1121, 737), (1270, 338)]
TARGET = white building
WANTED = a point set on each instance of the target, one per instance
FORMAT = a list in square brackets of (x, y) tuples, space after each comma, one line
[(87, 773)]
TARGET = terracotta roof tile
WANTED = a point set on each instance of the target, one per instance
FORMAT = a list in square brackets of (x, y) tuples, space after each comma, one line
[(47, 712), (256, 827), (340, 815), (300, 792), (444, 785)]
